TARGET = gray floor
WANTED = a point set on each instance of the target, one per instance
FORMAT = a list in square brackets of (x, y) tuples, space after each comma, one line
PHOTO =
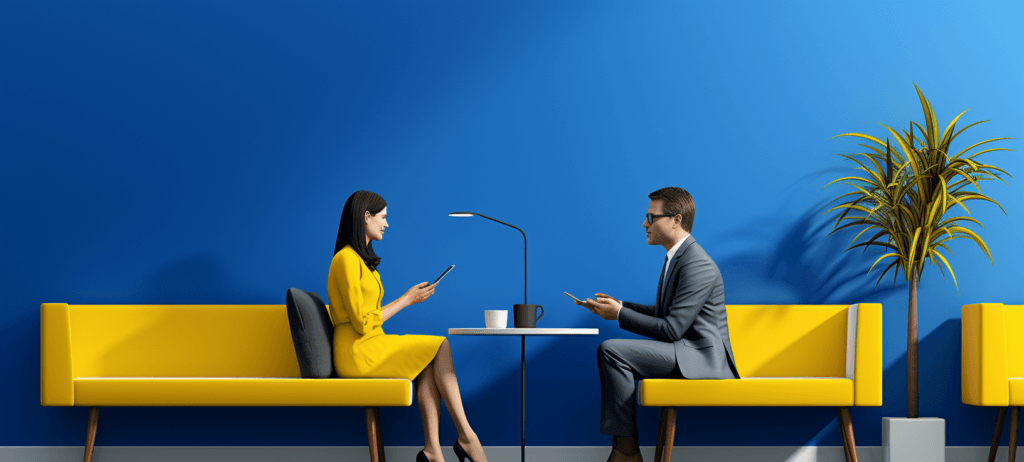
[(494, 454)]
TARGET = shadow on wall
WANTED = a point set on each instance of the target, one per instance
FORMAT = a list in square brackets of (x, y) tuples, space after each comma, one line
[(939, 389), (802, 264)]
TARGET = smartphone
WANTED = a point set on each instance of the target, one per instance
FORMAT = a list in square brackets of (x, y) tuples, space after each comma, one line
[(442, 274), (578, 301)]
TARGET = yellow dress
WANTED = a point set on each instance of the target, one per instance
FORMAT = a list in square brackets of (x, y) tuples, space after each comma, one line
[(361, 348)]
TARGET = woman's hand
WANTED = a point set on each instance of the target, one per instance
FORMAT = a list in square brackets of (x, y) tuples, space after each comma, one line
[(414, 295), (418, 293)]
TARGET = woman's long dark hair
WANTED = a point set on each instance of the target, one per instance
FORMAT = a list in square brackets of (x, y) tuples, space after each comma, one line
[(352, 229)]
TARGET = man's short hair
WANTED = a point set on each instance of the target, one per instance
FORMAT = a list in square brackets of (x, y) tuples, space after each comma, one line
[(677, 202)]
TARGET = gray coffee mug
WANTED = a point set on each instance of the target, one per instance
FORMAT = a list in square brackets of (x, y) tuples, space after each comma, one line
[(525, 314)]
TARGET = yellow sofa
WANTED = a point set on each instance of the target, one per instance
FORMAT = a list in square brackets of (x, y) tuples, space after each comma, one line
[(787, 355), (992, 363), (190, 355)]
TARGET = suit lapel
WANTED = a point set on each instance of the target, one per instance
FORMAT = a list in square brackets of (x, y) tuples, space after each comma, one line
[(661, 284), (671, 268)]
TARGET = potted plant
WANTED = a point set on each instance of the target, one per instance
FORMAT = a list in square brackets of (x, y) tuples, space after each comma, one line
[(900, 202)]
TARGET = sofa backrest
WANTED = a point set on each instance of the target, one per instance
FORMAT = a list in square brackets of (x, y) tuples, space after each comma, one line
[(991, 352), (255, 341), (181, 341), (792, 340)]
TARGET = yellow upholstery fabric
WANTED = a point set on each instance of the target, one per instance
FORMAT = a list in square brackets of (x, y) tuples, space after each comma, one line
[(747, 392), (181, 341), (790, 355), (1013, 328), (361, 348), (56, 388), (219, 391), (868, 356), (788, 340), (989, 356), (1016, 388), (171, 355)]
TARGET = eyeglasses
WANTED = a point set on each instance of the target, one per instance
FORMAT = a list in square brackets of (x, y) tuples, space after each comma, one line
[(651, 217)]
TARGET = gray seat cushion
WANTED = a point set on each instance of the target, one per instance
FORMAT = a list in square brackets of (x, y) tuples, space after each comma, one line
[(312, 333)]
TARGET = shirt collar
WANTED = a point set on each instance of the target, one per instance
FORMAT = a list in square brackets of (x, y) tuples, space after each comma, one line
[(675, 248)]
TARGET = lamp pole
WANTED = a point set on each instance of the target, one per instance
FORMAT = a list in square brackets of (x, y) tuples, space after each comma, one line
[(524, 249)]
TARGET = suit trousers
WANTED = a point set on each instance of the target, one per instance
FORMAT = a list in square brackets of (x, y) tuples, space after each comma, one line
[(621, 362)]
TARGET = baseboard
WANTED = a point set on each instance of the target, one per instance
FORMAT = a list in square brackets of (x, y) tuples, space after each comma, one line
[(494, 453)]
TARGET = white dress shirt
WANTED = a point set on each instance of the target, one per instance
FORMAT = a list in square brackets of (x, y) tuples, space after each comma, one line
[(671, 254)]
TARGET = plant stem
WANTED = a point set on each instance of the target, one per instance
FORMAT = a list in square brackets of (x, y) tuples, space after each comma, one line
[(912, 394)]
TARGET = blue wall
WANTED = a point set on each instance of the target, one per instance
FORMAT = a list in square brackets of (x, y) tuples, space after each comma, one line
[(201, 152)]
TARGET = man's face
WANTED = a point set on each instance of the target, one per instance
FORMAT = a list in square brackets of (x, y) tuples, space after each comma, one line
[(657, 232)]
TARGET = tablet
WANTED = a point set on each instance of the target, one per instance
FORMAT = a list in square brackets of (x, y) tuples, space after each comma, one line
[(442, 274)]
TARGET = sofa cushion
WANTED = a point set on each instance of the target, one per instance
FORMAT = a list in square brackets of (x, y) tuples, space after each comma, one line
[(766, 391), (240, 391), (312, 333), (1016, 391)]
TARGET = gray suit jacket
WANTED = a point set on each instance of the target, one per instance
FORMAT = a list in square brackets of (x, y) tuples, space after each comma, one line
[(690, 313)]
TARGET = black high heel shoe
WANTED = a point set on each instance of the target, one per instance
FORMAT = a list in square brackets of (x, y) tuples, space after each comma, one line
[(421, 457), (461, 453)]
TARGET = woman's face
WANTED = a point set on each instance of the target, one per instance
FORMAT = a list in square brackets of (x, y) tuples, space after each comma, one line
[(376, 224)]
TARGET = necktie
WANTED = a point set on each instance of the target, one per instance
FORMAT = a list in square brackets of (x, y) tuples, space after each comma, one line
[(660, 281)]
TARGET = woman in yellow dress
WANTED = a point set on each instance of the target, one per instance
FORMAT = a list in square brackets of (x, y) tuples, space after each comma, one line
[(362, 349)]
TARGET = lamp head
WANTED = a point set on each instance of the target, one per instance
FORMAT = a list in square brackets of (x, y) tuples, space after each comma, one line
[(461, 214)]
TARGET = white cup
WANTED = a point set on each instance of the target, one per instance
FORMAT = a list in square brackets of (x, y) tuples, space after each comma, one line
[(496, 319)]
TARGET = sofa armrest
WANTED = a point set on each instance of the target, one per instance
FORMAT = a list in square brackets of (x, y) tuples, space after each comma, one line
[(56, 387), (867, 373), (984, 375)]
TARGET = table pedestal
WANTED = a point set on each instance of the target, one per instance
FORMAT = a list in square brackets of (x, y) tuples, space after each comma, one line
[(522, 332)]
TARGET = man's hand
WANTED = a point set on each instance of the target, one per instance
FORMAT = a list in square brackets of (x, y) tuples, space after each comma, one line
[(605, 306)]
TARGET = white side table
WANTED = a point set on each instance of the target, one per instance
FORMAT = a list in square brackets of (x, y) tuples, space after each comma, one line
[(522, 332)]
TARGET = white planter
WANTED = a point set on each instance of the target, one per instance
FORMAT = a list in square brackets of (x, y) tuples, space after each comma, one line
[(913, 440)]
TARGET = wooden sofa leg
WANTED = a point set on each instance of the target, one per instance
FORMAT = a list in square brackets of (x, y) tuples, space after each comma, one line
[(1000, 419), (666, 435), (373, 434), (846, 441), (846, 426), (90, 433), (1014, 425)]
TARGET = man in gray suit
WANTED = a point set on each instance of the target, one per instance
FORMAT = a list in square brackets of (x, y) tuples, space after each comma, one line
[(687, 323)]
